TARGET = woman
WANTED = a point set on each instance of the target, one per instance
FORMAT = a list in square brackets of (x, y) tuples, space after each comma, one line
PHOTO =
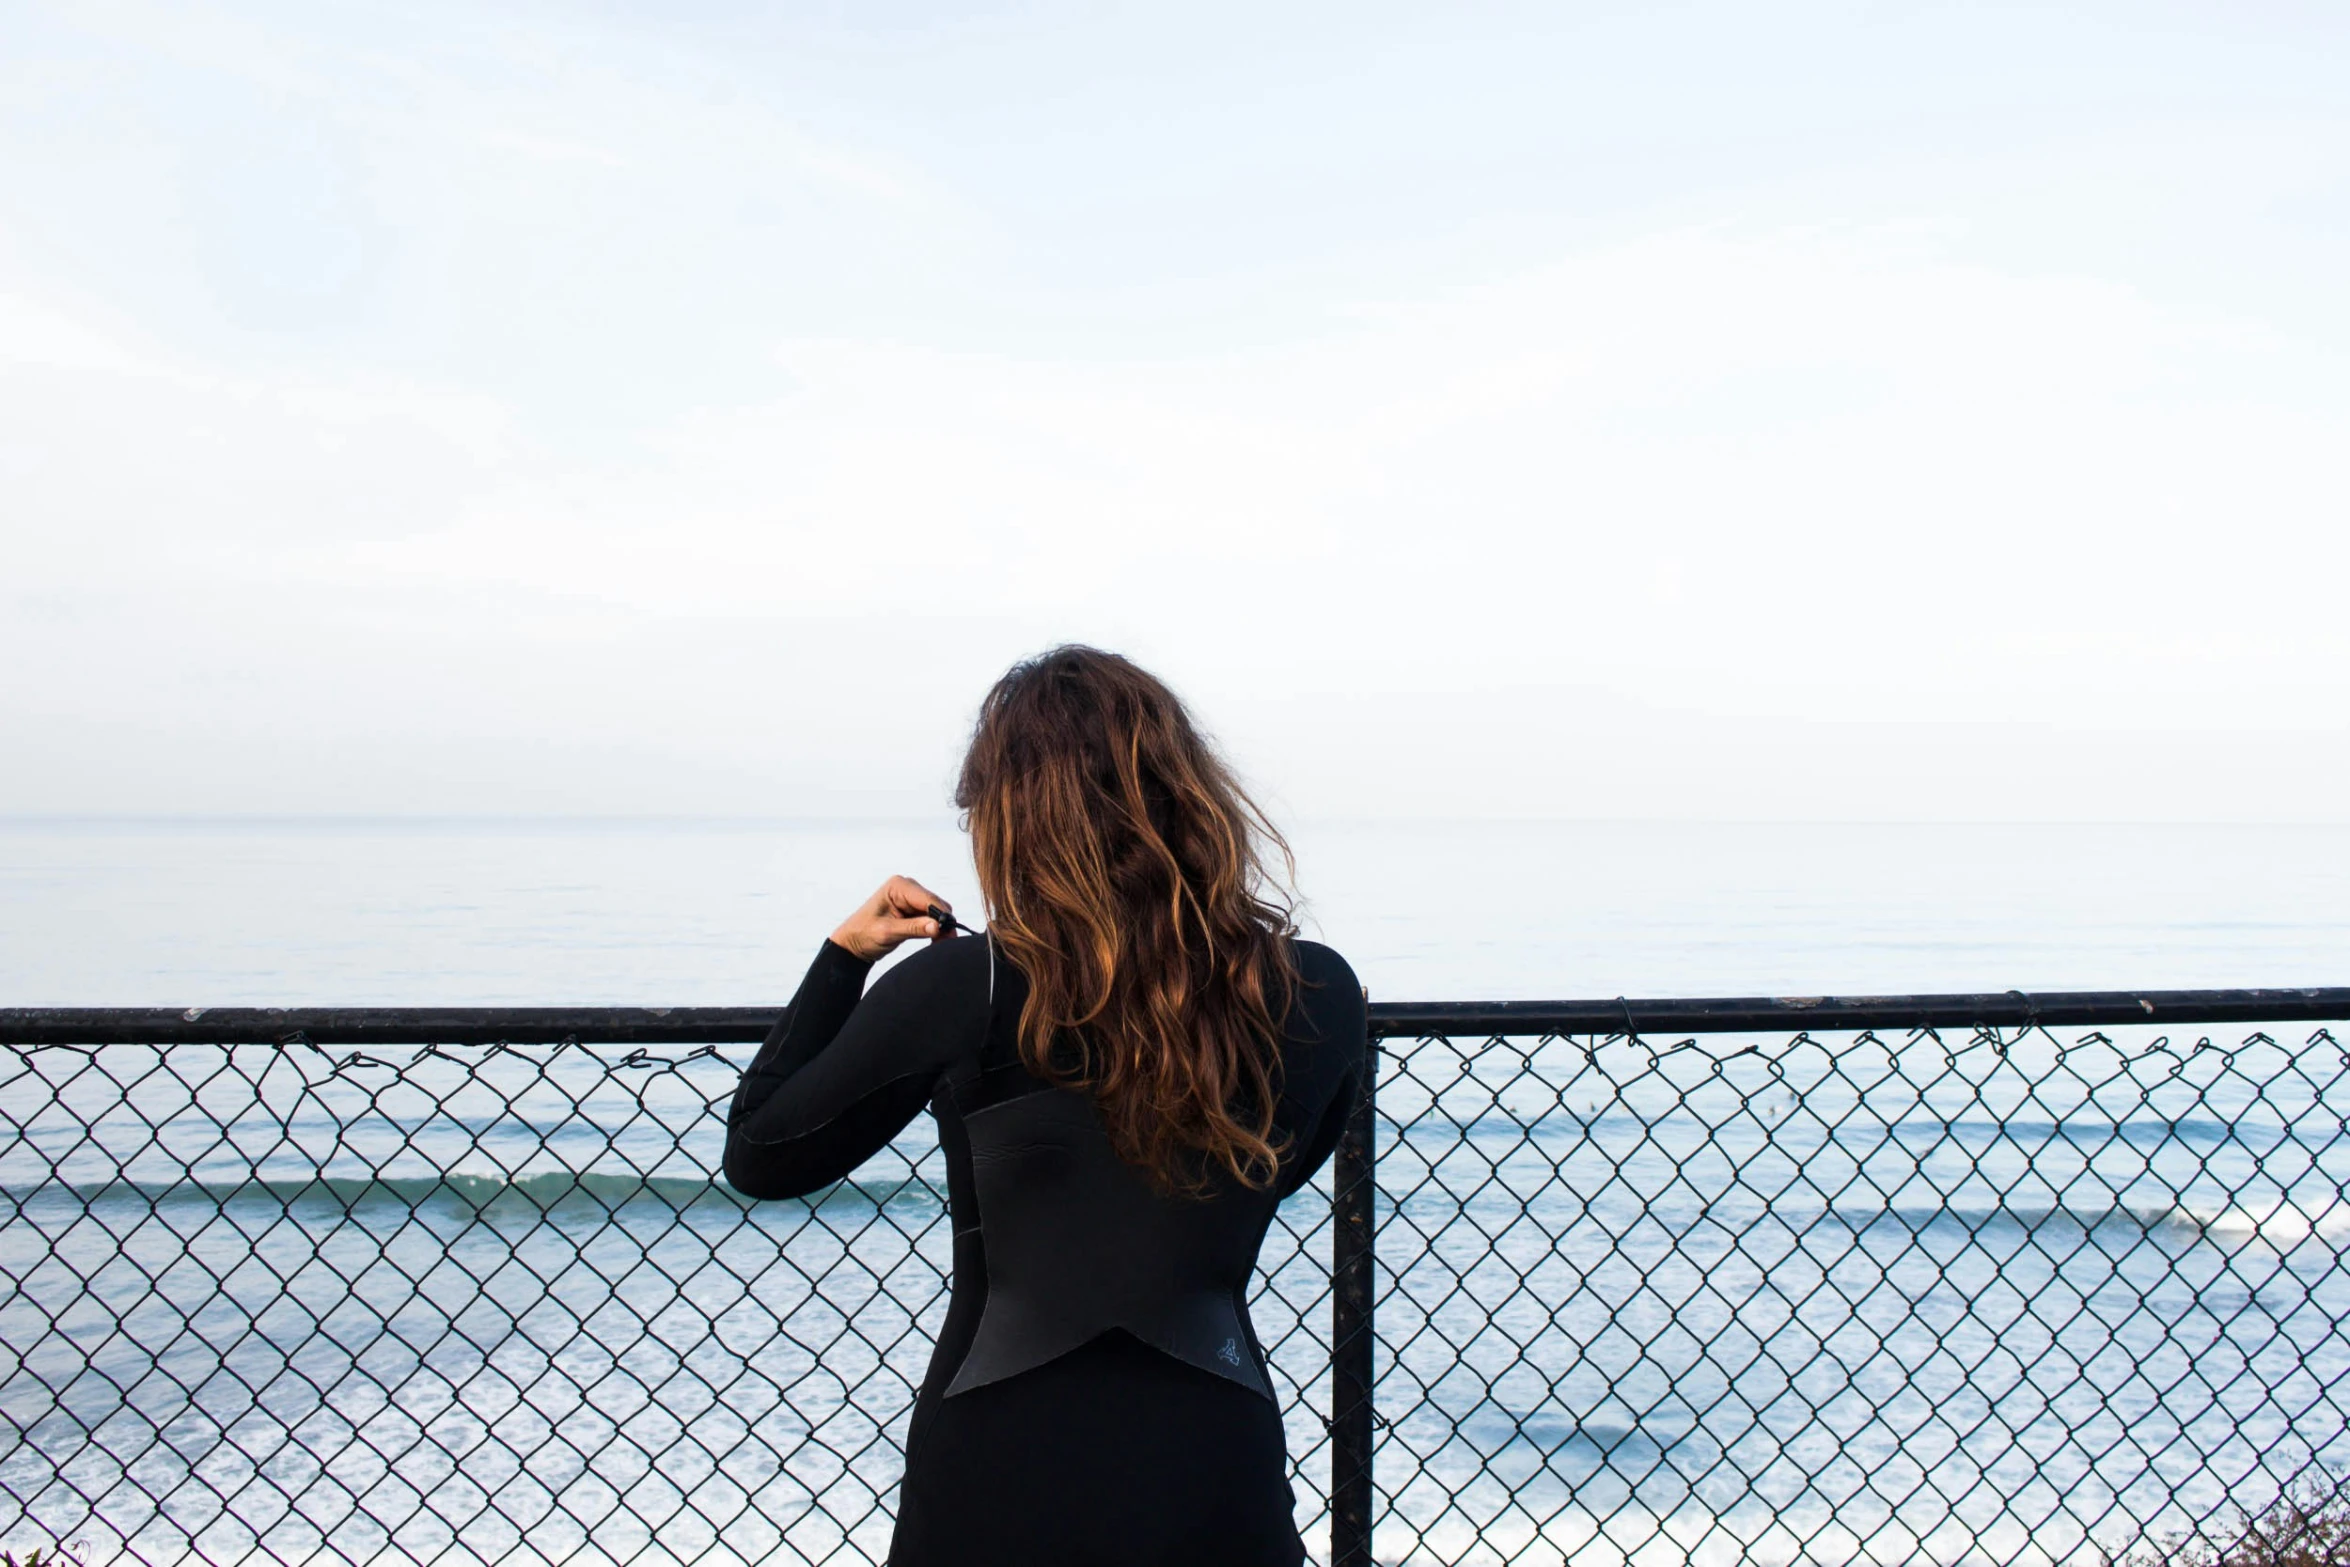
[(1130, 1070)]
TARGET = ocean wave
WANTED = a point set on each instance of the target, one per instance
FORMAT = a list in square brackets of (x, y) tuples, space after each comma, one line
[(1640, 1443), (1781, 1118), (1919, 1218), (558, 1192), (1612, 1218), (2282, 1224), (567, 1196)]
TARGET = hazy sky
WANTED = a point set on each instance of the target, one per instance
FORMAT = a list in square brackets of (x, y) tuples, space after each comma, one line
[(1675, 410)]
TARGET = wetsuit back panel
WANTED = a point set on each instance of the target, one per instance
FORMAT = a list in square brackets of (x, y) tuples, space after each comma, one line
[(1078, 1244)]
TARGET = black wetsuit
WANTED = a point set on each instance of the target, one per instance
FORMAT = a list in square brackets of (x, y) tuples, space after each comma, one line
[(1105, 1401)]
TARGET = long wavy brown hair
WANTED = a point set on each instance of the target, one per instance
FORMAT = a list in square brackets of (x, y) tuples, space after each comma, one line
[(1127, 876)]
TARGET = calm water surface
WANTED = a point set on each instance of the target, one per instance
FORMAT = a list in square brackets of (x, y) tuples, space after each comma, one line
[(289, 913)]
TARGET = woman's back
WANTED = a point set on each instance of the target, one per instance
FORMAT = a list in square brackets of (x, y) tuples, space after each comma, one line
[(1097, 1324), (1076, 1242)]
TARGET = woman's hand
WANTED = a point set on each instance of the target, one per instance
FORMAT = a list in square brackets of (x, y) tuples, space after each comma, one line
[(895, 914)]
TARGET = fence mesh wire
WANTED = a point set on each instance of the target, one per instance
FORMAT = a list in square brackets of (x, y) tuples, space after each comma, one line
[(1998, 1298), (1814, 1299), (468, 1304)]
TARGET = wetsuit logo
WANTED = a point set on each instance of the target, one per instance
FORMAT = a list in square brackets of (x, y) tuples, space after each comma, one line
[(1230, 1353)]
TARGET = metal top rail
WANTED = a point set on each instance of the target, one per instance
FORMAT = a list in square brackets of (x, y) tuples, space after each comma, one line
[(1389, 1019)]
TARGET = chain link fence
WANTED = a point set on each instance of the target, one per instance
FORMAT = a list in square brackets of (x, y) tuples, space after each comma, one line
[(460, 1303), (398, 1287), (2007, 1296)]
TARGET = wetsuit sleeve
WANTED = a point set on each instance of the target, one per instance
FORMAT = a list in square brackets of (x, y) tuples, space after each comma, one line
[(1300, 1167), (843, 1071), (1338, 1021)]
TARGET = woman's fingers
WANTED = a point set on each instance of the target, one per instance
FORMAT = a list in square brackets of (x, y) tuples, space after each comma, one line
[(910, 899), (905, 895), (899, 912)]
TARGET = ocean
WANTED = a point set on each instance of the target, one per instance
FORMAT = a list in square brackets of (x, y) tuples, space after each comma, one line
[(1771, 1299), (111, 913)]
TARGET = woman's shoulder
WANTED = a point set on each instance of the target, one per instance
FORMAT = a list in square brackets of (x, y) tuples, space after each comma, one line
[(1318, 964), (1329, 999), (956, 966)]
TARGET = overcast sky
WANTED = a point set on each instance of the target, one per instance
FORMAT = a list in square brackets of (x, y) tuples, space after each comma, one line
[(1570, 410)]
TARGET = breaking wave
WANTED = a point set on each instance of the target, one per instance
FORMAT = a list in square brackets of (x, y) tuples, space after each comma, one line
[(554, 1193)]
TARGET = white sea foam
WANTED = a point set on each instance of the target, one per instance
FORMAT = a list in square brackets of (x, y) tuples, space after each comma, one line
[(2285, 1224), (1692, 1537)]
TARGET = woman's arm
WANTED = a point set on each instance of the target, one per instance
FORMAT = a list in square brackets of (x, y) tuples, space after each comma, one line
[(843, 1072), (1336, 1019), (1302, 1162)]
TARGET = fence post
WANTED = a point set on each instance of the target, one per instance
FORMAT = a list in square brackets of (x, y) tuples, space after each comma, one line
[(1351, 1337)]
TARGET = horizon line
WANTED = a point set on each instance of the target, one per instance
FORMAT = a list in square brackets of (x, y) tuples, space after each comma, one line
[(419, 819)]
